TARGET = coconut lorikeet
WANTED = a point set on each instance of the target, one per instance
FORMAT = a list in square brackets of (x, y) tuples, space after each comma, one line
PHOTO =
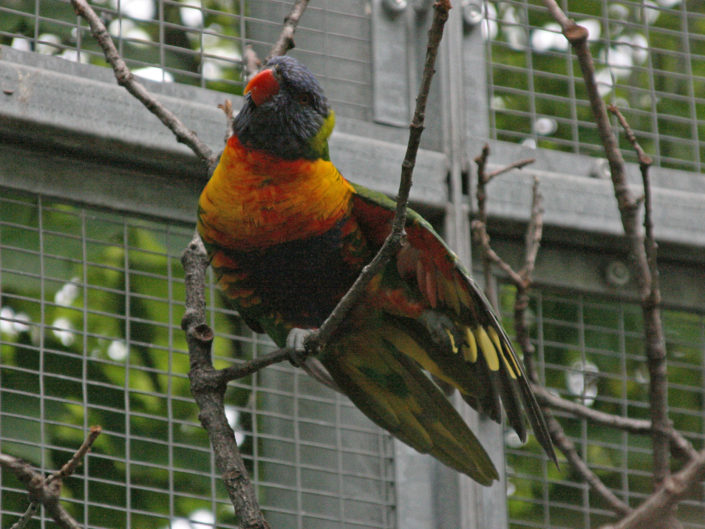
[(287, 235)]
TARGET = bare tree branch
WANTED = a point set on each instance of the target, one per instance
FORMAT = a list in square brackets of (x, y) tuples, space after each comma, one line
[(209, 391), (522, 281), (629, 212), (576, 461), (250, 62), (534, 233), (71, 465), (520, 164), (47, 491), (479, 226), (126, 79), (650, 246), (285, 42), (659, 506), (680, 446)]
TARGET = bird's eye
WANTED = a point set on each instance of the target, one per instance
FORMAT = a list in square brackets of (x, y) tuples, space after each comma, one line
[(305, 99)]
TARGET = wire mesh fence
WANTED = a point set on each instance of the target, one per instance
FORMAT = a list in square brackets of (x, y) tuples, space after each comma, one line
[(91, 300), (200, 42), (649, 60), (90, 333), (590, 351)]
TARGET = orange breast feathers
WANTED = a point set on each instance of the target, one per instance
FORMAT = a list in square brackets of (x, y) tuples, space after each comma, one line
[(255, 200)]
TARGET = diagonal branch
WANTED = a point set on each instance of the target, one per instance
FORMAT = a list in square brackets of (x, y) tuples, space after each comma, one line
[(680, 446), (285, 42), (126, 79), (318, 340)]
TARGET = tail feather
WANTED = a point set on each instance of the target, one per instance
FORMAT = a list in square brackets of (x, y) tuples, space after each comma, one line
[(392, 391)]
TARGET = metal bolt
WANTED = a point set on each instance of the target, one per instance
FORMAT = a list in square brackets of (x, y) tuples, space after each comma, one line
[(394, 7), (617, 273), (473, 13)]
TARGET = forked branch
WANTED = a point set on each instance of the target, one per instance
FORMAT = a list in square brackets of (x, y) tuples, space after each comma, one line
[(46, 491), (522, 281)]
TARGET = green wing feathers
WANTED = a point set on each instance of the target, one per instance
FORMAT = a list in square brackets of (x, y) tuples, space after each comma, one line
[(455, 336), (392, 391)]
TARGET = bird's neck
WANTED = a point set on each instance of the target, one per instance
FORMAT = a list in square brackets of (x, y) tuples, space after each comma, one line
[(255, 199)]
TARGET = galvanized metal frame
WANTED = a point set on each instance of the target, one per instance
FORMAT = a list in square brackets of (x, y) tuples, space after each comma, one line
[(71, 120)]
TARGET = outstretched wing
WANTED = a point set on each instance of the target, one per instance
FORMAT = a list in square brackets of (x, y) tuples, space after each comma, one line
[(392, 390), (456, 335)]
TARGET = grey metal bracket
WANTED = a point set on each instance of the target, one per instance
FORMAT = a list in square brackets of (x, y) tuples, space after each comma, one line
[(397, 27)]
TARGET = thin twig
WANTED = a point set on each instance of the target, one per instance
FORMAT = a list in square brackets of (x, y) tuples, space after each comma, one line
[(227, 108), (285, 42), (250, 62), (520, 164), (567, 446), (662, 502), (126, 79), (71, 465), (680, 446), (650, 246), (483, 239), (522, 281), (22, 522), (534, 232), (629, 213), (47, 491), (479, 227)]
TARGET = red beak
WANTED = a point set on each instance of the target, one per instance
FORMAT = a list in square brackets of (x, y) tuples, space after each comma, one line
[(262, 86)]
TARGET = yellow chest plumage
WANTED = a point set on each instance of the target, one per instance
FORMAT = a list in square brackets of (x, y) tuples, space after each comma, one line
[(255, 200)]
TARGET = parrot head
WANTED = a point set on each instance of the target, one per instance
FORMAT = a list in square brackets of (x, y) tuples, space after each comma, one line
[(285, 112)]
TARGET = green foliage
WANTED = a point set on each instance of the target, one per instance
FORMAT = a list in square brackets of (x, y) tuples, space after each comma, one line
[(193, 42), (91, 307)]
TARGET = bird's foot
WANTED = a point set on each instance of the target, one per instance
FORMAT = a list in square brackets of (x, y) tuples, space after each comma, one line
[(296, 342)]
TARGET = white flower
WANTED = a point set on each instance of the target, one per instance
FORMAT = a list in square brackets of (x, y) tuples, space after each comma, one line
[(21, 323), (191, 14), (154, 74), (7, 326), (117, 350), (48, 44), (139, 9), (63, 330), (67, 294), (233, 416), (548, 38), (581, 381), (202, 517), (545, 126)]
